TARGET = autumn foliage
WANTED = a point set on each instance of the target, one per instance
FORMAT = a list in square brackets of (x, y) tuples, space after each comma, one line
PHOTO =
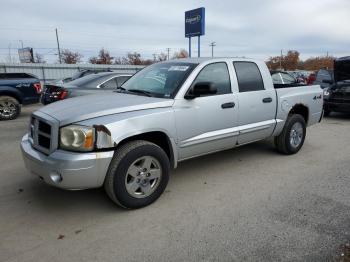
[(70, 57), (103, 57), (291, 62)]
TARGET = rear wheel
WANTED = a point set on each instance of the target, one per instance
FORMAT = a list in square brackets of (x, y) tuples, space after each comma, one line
[(293, 135), (10, 108), (138, 174)]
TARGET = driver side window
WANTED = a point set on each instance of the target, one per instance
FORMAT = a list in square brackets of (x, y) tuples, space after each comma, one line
[(218, 75)]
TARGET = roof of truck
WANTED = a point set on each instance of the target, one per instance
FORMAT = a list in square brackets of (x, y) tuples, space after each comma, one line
[(345, 58), (204, 59)]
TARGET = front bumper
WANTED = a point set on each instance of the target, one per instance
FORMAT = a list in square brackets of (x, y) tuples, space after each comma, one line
[(68, 170), (337, 107)]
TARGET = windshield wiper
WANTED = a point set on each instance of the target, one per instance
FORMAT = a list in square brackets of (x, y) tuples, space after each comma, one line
[(120, 89), (147, 93)]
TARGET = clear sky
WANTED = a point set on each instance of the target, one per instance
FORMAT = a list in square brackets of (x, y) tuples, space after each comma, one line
[(252, 28)]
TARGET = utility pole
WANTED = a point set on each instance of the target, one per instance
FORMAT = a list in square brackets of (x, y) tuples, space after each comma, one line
[(212, 44), (281, 60), (154, 57), (58, 47), (21, 43), (10, 57), (168, 50)]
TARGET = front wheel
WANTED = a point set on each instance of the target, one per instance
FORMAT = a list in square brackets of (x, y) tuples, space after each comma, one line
[(10, 108), (293, 135), (138, 174)]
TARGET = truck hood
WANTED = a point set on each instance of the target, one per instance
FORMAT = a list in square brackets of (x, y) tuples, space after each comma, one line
[(91, 106)]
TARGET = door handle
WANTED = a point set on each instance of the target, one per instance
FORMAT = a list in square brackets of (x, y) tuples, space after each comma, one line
[(267, 100), (228, 105)]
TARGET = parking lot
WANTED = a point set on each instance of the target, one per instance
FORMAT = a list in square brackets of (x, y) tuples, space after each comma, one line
[(245, 204)]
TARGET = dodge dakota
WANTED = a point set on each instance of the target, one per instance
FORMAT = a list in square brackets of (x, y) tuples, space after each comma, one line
[(168, 112)]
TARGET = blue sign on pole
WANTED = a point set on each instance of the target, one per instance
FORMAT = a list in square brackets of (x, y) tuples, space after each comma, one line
[(195, 22)]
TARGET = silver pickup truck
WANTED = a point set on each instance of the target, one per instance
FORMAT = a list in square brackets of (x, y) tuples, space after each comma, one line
[(168, 112)]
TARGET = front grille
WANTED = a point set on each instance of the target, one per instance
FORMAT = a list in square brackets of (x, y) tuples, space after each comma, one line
[(41, 132), (341, 95), (339, 100)]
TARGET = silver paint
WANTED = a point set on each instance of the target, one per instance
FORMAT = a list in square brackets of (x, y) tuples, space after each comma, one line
[(193, 127)]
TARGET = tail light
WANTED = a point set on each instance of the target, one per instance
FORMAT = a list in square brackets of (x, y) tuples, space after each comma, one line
[(37, 87), (62, 94)]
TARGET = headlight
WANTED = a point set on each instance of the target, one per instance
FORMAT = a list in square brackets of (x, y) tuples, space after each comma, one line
[(77, 138), (326, 92)]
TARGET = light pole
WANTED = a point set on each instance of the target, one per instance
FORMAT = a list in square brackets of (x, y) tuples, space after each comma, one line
[(10, 57), (281, 60), (58, 47), (212, 44), (168, 50)]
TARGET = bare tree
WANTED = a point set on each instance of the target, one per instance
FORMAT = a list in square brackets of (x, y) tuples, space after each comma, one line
[(39, 58), (70, 57), (103, 57), (162, 57), (134, 58), (181, 54)]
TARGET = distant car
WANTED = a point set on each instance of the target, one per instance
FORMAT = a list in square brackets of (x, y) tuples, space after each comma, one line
[(299, 75), (311, 79), (284, 79), (337, 95), (17, 89), (324, 78), (90, 84), (79, 74)]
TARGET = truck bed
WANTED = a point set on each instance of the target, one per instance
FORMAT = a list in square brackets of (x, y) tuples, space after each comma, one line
[(309, 96)]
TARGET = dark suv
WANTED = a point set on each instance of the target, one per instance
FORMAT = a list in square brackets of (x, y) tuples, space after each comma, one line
[(337, 95)]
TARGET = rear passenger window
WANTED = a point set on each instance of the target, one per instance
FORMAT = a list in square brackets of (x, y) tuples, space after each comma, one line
[(216, 73), (110, 84), (248, 76)]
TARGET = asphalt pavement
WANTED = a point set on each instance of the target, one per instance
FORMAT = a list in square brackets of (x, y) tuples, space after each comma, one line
[(246, 204)]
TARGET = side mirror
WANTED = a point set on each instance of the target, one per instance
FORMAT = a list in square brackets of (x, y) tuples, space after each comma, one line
[(327, 81), (201, 89)]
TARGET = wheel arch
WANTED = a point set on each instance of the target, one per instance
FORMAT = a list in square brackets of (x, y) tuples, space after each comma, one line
[(159, 138), (12, 93), (300, 109)]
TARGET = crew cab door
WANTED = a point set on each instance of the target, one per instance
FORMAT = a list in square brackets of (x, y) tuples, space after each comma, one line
[(208, 123), (257, 105)]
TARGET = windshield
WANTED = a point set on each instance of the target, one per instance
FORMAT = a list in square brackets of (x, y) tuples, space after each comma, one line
[(342, 70), (159, 80)]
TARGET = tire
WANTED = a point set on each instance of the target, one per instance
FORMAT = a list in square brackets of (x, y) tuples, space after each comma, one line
[(293, 135), (10, 108), (128, 183)]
